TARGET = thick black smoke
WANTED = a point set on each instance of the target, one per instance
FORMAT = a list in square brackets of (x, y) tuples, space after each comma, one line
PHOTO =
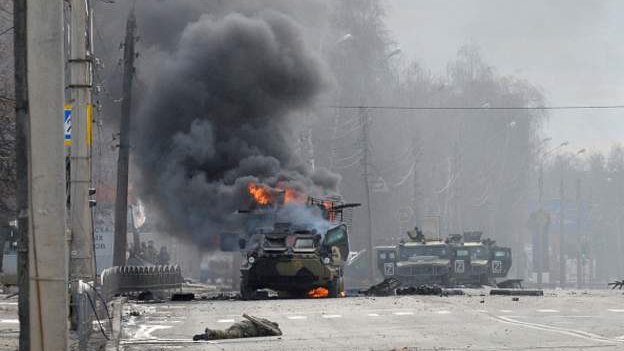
[(216, 119)]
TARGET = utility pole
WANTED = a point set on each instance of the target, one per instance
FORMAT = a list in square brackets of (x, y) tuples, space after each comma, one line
[(540, 234), (562, 260), (46, 210), (82, 262), (364, 120), (121, 200), (21, 169), (579, 263)]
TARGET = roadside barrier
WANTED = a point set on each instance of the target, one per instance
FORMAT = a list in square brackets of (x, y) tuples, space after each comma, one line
[(124, 279)]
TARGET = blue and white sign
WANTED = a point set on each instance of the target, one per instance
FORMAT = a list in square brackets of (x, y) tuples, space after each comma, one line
[(67, 124)]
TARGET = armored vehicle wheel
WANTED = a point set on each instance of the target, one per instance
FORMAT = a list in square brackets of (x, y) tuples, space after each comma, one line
[(445, 281), (484, 279), (247, 292), (336, 287)]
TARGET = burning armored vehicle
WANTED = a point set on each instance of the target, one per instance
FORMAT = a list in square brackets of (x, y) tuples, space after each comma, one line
[(297, 248), (458, 260)]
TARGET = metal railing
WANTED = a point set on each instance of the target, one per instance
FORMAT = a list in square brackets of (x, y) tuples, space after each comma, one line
[(124, 279), (89, 308)]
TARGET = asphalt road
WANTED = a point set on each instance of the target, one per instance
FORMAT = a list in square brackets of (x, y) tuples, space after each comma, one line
[(561, 320)]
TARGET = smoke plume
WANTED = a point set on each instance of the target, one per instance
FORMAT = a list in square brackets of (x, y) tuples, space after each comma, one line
[(216, 118)]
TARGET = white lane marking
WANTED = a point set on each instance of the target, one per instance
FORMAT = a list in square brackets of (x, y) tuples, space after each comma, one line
[(297, 317), (544, 327), (482, 311), (225, 321), (403, 313), (9, 321), (145, 331), (506, 311), (373, 315), (443, 312), (331, 316), (547, 311), (8, 303), (617, 310)]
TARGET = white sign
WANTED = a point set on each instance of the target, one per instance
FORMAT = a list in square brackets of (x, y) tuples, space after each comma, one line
[(103, 242), (460, 267), (67, 124), (497, 267), (388, 268)]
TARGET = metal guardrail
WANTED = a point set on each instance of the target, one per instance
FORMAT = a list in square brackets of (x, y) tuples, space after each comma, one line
[(123, 279), (84, 302), (89, 311)]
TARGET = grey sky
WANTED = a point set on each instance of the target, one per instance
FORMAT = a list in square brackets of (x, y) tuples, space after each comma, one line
[(572, 50)]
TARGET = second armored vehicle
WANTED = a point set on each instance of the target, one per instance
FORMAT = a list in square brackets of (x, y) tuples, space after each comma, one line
[(458, 260)]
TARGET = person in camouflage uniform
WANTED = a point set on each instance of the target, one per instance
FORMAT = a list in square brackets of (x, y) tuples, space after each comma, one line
[(249, 328)]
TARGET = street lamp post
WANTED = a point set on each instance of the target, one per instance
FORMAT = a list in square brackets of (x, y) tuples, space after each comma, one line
[(542, 245), (562, 241)]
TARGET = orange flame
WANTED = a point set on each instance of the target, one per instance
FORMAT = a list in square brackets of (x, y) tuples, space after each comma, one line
[(318, 292), (329, 206), (293, 196), (260, 193)]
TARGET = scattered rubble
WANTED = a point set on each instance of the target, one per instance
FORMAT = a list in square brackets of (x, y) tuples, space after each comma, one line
[(134, 313), (145, 296), (517, 292), (385, 288), (429, 290), (222, 297), (183, 297)]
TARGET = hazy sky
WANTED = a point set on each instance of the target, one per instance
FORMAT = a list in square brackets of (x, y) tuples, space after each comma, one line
[(572, 49)]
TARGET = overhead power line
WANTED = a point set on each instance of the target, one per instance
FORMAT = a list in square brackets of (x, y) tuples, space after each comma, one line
[(478, 108)]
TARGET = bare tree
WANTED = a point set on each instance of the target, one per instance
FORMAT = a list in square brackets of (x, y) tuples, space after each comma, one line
[(7, 122)]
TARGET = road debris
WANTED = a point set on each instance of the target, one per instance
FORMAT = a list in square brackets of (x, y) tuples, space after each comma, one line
[(619, 284), (428, 290), (223, 296), (385, 288), (249, 328), (183, 297), (517, 292), (145, 296)]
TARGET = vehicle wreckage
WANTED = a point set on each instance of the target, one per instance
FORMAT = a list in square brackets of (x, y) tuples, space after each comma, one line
[(294, 255)]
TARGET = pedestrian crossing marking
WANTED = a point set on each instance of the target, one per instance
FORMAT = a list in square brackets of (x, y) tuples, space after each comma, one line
[(547, 311), (331, 316), (403, 313)]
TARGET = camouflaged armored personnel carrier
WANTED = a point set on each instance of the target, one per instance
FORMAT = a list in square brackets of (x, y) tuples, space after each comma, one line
[(295, 261), (294, 258)]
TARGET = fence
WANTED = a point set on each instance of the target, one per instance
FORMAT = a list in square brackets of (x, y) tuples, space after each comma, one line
[(88, 308), (123, 279)]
